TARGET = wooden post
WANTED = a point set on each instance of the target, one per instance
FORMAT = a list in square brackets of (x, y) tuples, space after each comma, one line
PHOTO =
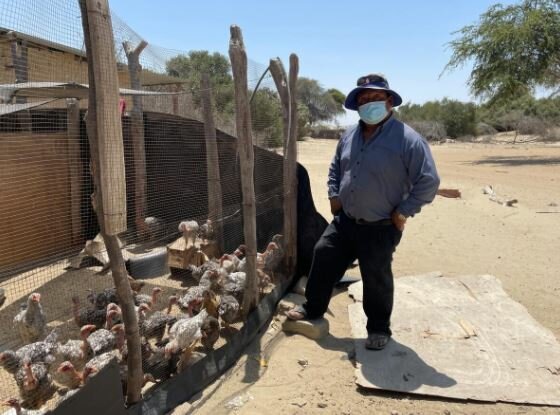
[(287, 92), (19, 52), (105, 137), (238, 59), (215, 212), (137, 134), (74, 167), (290, 170)]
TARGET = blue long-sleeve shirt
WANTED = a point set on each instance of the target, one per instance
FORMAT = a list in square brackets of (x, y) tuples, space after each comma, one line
[(394, 170)]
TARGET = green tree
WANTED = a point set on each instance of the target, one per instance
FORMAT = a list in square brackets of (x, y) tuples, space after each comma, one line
[(191, 66), (321, 104), (338, 96), (266, 117), (514, 48)]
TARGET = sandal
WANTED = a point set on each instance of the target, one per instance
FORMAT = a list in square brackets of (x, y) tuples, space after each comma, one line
[(377, 341), (297, 313)]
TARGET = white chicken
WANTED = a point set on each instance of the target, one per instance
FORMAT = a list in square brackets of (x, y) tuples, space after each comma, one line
[(30, 323), (189, 229), (184, 333)]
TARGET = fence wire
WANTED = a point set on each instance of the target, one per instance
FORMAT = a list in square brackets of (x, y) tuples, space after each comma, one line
[(56, 286)]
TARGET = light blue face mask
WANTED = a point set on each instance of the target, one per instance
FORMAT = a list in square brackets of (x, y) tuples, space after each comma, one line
[(373, 112)]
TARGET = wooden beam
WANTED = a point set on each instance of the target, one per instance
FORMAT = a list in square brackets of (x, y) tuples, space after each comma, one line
[(75, 168), (137, 135), (20, 52), (238, 59), (215, 210), (103, 119)]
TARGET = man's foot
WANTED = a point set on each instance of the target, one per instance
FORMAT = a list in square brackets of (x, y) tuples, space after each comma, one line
[(377, 341), (297, 313)]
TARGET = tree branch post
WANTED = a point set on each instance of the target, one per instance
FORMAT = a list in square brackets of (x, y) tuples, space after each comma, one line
[(137, 134), (215, 211), (105, 138), (238, 59)]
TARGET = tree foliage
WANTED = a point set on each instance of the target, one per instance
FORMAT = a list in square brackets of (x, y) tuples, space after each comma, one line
[(321, 104), (217, 66), (266, 117), (514, 48)]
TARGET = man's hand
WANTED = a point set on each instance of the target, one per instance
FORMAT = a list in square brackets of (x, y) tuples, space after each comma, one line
[(336, 205), (398, 220)]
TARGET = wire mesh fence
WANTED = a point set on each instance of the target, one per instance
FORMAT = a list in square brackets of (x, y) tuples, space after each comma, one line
[(181, 235)]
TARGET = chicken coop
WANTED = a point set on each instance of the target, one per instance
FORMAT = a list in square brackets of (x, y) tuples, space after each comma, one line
[(149, 201)]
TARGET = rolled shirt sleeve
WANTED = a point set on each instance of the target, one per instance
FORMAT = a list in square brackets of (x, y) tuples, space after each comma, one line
[(333, 182)]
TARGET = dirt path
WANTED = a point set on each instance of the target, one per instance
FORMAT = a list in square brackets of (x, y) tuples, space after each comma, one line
[(471, 235)]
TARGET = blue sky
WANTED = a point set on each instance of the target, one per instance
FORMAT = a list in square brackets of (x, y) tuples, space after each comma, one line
[(336, 41)]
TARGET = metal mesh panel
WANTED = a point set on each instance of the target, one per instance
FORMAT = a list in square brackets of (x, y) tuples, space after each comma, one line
[(49, 233)]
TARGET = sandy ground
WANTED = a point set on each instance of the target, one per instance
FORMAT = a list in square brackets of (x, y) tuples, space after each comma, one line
[(293, 375)]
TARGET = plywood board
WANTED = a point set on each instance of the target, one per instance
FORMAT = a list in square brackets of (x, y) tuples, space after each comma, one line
[(462, 338)]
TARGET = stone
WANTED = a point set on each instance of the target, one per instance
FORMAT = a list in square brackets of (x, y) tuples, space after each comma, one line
[(322, 405), (313, 329)]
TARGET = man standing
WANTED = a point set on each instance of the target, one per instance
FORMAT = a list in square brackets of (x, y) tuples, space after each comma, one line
[(382, 173)]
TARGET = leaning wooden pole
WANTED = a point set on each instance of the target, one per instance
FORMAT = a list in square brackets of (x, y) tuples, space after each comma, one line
[(137, 134), (290, 170), (105, 137), (215, 210), (238, 59), (287, 92)]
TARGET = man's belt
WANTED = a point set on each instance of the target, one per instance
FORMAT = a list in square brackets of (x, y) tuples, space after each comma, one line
[(382, 222)]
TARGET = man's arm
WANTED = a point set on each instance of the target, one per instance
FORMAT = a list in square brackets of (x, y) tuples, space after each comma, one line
[(423, 176), (333, 181)]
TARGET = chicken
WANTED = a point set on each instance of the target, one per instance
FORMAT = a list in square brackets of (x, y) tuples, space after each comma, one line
[(189, 229), (34, 383), (197, 272), (157, 364), (15, 404), (273, 258), (192, 300), (184, 333), (30, 323), (206, 231), (237, 278), (210, 330), (38, 352), (210, 303), (211, 280), (228, 309), (235, 290), (102, 299), (151, 300), (68, 376), (97, 363), (101, 341), (263, 281), (76, 352), (154, 228), (229, 263), (87, 316), (154, 326), (123, 372)]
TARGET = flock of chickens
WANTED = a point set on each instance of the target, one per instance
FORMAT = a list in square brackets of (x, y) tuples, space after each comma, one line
[(169, 339)]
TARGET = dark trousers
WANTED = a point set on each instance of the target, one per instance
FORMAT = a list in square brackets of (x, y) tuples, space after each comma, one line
[(342, 242)]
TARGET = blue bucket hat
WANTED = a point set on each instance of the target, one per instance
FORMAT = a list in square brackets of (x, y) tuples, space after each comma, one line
[(372, 81)]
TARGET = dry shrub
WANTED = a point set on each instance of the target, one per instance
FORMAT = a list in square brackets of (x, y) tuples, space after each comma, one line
[(430, 130)]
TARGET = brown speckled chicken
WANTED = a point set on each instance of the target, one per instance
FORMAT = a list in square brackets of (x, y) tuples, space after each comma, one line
[(212, 280), (17, 409), (77, 352), (151, 300), (102, 341), (97, 363), (38, 352), (210, 330), (184, 333), (228, 309), (273, 258), (30, 323), (68, 376), (87, 316), (192, 300), (34, 383), (153, 327), (206, 230)]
